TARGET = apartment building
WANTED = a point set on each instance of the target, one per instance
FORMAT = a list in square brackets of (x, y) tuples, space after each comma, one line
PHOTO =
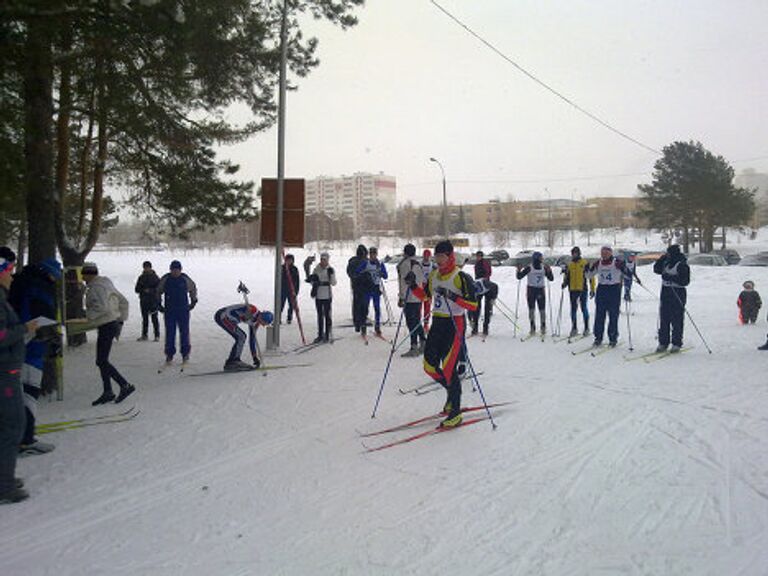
[(369, 200)]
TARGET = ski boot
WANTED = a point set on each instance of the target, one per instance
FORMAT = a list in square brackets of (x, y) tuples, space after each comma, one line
[(452, 421), (103, 399), (237, 366), (125, 391), (764, 346), (661, 348), (674, 349), (574, 332), (13, 495), (34, 449)]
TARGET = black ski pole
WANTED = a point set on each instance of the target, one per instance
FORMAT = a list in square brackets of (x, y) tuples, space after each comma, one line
[(629, 328), (469, 364), (391, 353), (691, 319), (517, 306)]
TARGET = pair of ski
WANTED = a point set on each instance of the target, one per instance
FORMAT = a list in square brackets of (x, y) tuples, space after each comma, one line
[(165, 366), (381, 337), (253, 369), (429, 432), (571, 339), (595, 351), (533, 336), (51, 427), (431, 386), (313, 345), (654, 356)]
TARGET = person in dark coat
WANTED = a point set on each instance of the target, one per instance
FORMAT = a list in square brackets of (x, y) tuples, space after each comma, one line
[(179, 296), (675, 276), (33, 294), (289, 287), (146, 288), (361, 285), (482, 272), (12, 350), (749, 303)]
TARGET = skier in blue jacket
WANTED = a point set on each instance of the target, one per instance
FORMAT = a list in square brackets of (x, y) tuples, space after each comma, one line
[(228, 318), (177, 294)]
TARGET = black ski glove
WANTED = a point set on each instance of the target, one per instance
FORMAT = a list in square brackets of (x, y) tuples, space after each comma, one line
[(118, 330), (445, 294), (192, 304), (161, 308), (410, 280), (331, 270)]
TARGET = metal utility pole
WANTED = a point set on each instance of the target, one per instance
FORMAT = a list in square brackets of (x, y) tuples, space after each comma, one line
[(445, 202), (275, 342)]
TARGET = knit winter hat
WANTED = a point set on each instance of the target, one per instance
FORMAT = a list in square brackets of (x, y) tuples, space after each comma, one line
[(362, 251), (7, 260), (409, 250), (749, 285), (674, 250), (175, 265), (444, 247), (324, 256), (90, 268), (51, 266)]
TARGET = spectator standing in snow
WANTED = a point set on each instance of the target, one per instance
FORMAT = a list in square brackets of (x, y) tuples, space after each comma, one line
[(106, 309), (675, 276), (146, 288), (482, 271), (538, 273), (322, 278), (179, 295), (410, 303), (289, 287), (610, 272), (359, 284), (33, 294), (749, 303), (12, 349), (228, 319), (452, 292)]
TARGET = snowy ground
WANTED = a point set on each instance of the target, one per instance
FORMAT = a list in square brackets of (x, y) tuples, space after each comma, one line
[(600, 466)]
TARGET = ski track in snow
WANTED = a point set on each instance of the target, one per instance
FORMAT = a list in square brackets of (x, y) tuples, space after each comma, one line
[(599, 467)]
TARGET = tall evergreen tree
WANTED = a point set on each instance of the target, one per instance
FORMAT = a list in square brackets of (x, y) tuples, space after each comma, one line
[(693, 189), (133, 95)]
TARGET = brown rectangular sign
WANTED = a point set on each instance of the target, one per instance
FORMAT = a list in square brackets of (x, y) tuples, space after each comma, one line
[(293, 212)]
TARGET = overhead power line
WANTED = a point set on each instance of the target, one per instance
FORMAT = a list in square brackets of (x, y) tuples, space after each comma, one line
[(544, 84)]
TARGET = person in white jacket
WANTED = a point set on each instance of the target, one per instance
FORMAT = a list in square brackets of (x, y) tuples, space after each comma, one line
[(105, 309), (322, 278)]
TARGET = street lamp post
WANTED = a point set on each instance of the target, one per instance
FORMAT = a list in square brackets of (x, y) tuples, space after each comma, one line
[(445, 202)]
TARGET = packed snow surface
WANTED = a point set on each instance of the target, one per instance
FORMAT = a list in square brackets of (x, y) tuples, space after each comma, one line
[(599, 465)]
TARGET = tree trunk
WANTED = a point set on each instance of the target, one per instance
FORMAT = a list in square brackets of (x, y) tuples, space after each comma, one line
[(38, 142)]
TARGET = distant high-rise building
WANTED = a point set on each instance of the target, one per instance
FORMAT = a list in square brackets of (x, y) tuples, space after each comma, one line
[(368, 199)]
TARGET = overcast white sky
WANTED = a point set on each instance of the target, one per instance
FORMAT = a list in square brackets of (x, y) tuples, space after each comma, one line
[(408, 83)]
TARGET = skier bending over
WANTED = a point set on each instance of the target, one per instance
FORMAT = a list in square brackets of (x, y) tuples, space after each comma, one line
[(452, 292), (228, 318)]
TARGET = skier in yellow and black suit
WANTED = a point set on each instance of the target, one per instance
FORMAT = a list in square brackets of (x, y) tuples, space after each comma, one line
[(452, 292)]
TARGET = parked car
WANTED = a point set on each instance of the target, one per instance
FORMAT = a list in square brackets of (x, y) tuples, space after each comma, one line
[(759, 259), (557, 260), (731, 256), (499, 256), (522, 258), (706, 260)]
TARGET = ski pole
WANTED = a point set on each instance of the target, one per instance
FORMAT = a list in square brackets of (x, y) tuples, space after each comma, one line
[(517, 307), (506, 311), (549, 305), (691, 319), (407, 336), (387, 305), (391, 353), (629, 328), (560, 311), (469, 364)]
